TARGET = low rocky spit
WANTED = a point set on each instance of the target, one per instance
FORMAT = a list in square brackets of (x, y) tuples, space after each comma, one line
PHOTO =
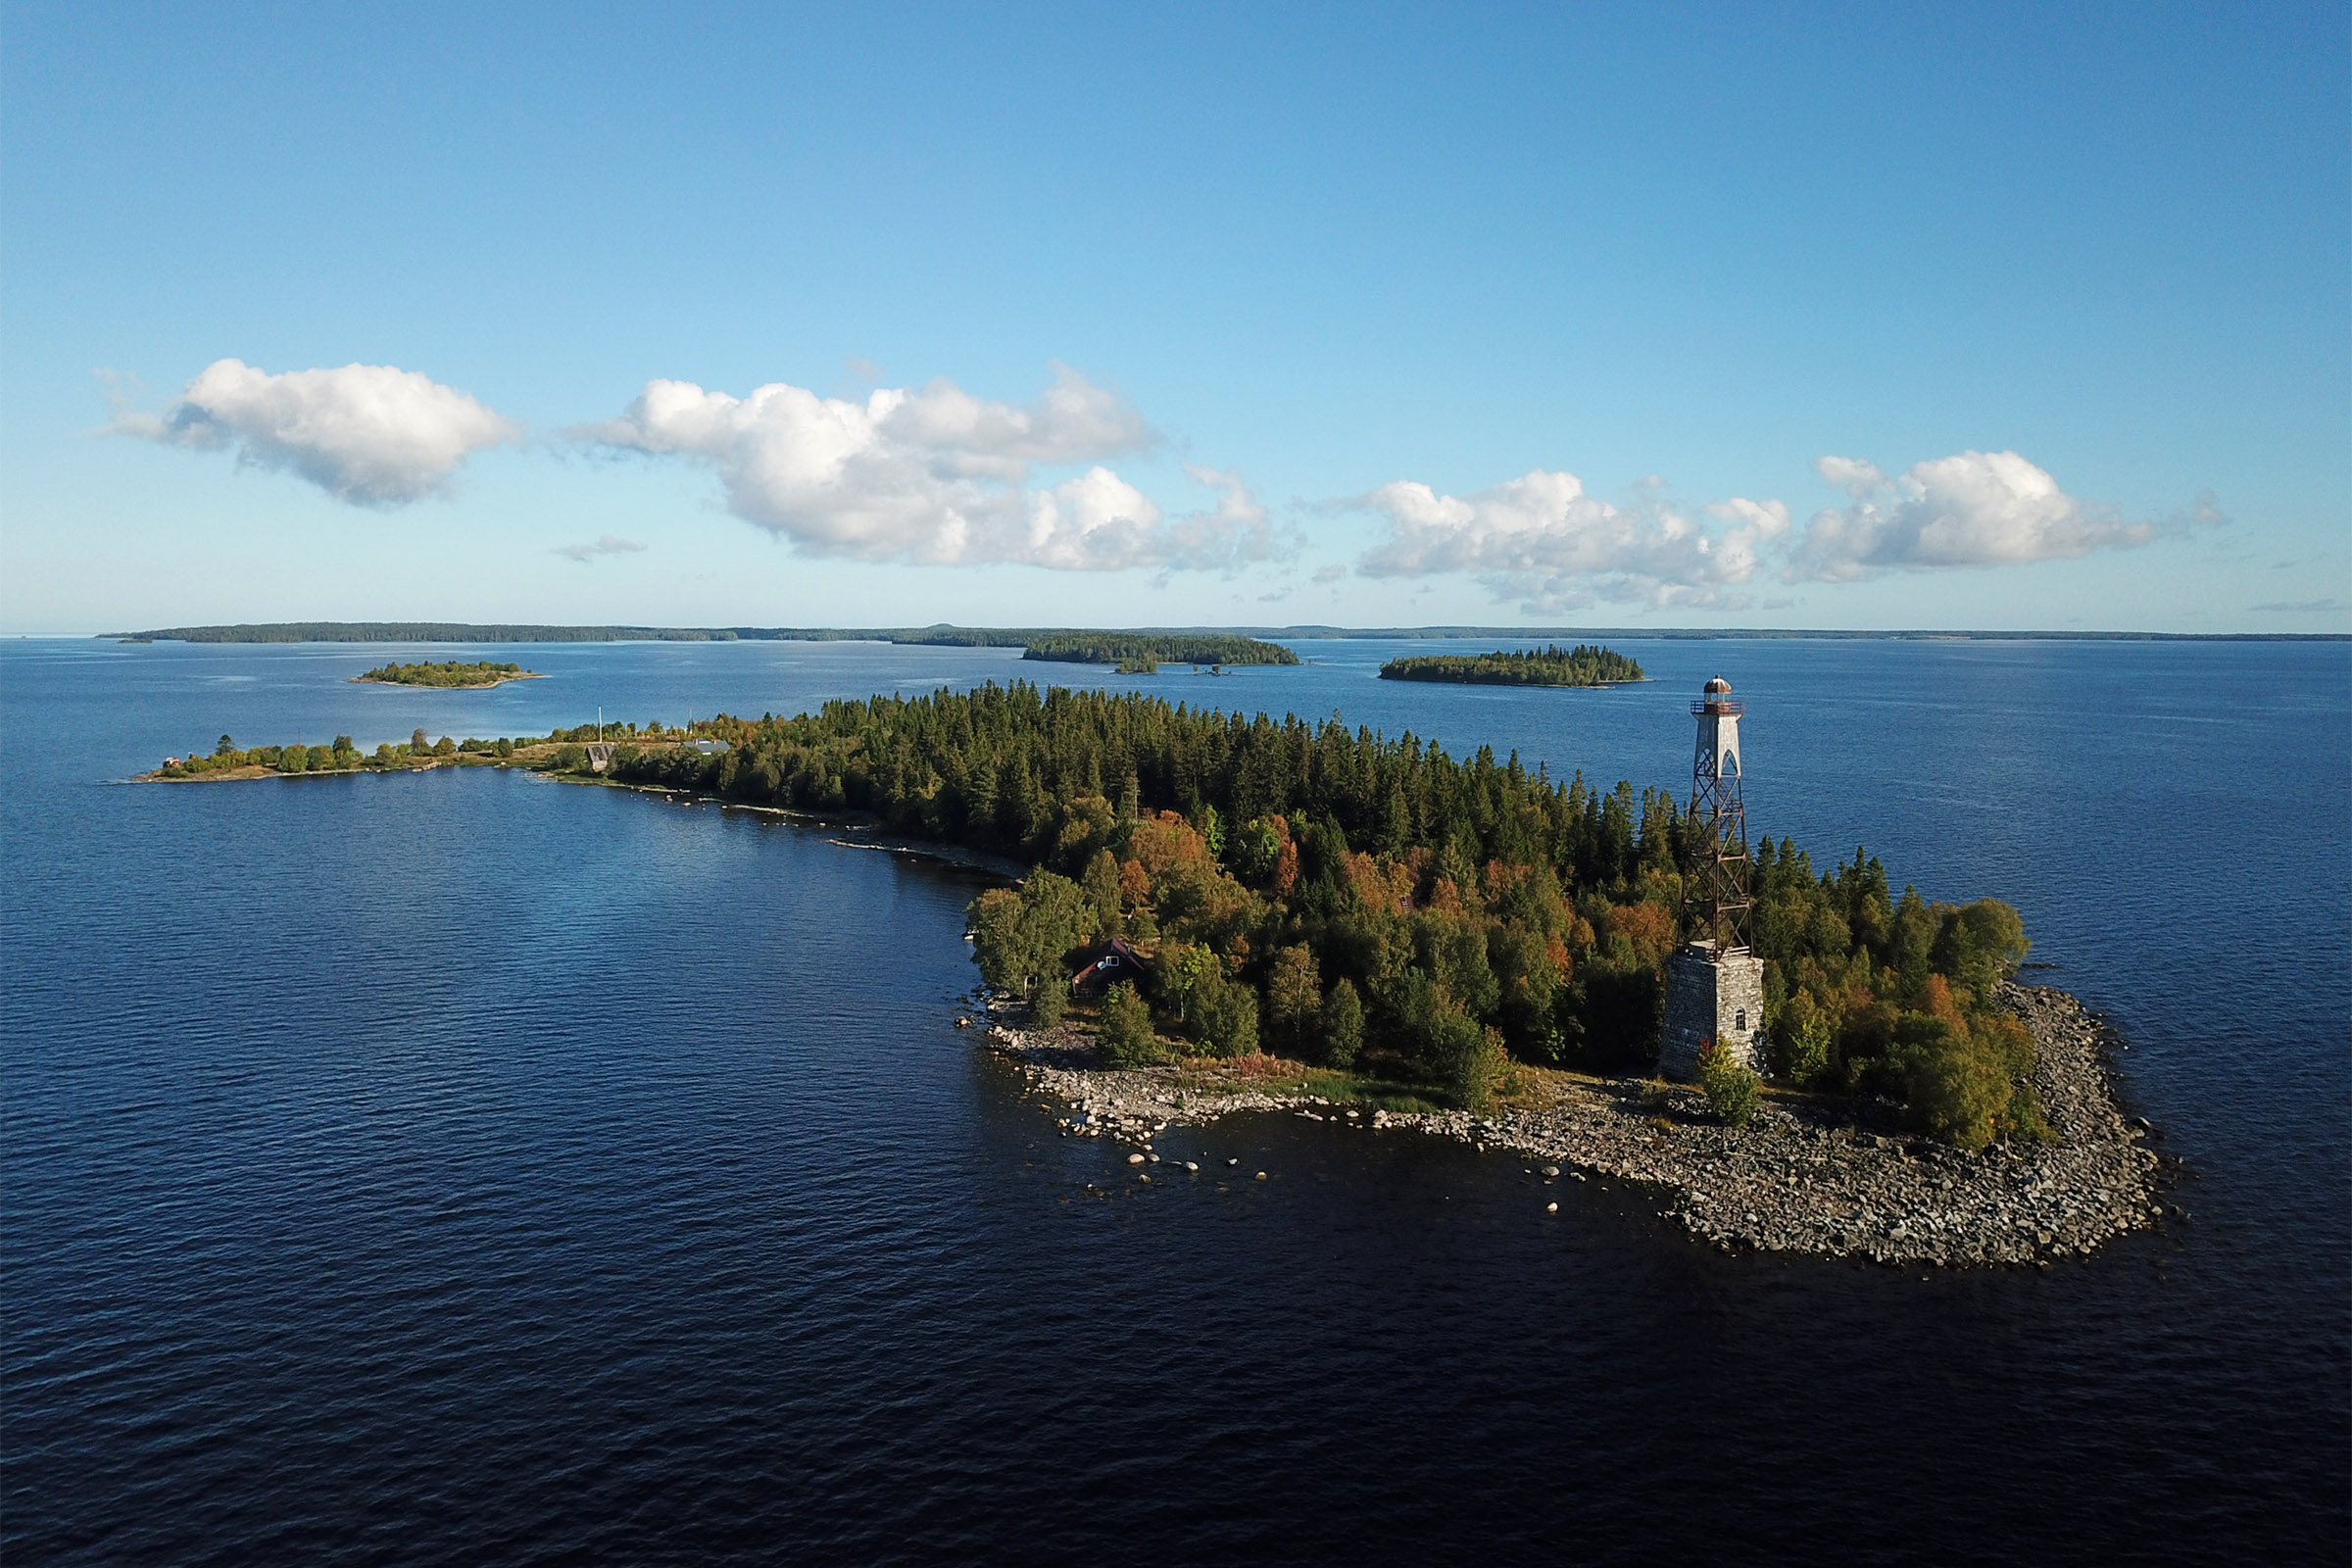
[(1828, 1177)]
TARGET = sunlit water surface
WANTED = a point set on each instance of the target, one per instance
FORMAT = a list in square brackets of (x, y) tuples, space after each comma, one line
[(468, 1168)]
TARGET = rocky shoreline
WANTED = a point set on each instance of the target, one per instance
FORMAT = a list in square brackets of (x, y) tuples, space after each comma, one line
[(1800, 1177)]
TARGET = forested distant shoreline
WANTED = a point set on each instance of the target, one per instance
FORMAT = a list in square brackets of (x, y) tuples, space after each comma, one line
[(942, 635)]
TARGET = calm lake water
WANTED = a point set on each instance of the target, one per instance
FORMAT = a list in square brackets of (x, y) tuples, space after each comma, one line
[(468, 1168)]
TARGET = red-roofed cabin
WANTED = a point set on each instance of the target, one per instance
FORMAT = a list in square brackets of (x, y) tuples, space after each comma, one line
[(1107, 963)]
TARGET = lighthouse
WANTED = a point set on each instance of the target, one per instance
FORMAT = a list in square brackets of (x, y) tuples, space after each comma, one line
[(1714, 985)]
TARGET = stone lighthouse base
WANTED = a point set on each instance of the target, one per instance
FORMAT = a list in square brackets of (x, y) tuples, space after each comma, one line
[(1712, 995)]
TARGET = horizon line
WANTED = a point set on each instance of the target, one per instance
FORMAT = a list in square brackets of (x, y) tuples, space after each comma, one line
[(431, 632)]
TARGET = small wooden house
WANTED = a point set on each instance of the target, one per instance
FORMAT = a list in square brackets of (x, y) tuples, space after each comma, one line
[(600, 755), (1105, 964)]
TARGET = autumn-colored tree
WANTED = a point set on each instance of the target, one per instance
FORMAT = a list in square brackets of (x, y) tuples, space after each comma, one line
[(1646, 930)]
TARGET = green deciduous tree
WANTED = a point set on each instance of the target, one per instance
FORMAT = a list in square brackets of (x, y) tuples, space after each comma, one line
[(1102, 886), (1178, 974), (1465, 1058), (1019, 937), (1295, 996), (1801, 1038), (1223, 1016), (1730, 1087), (1000, 941), (1123, 1032), (1343, 1025), (1952, 1087)]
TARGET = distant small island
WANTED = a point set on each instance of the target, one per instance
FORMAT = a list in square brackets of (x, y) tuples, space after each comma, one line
[(560, 750), (1543, 666), (1142, 653), (450, 673)]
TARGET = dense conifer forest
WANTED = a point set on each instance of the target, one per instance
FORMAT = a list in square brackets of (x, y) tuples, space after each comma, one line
[(1540, 667), (1362, 901)]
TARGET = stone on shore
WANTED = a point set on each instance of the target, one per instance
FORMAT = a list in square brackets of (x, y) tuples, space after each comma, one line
[(1808, 1175)]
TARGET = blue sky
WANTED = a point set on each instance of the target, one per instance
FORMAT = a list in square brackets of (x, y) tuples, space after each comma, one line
[(1844, 316)]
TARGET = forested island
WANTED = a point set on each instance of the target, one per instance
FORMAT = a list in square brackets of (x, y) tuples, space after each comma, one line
[(1347, 897), (450, 673), (564, 750), (1541, 667), (1141, 653), (1324, 916)]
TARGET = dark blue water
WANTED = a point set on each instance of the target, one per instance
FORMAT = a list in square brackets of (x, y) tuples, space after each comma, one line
[(468, 1168)]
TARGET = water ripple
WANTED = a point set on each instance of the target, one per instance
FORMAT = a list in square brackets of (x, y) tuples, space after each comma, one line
[(464, 1169)]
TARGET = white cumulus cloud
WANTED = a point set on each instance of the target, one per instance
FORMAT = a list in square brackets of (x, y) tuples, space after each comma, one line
[(938, 476), (1542, 539), (1974, 509), (370, 434)]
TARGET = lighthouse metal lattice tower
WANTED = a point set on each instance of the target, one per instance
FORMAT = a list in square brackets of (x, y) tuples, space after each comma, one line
[(1715, 889), (1714, 985)]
